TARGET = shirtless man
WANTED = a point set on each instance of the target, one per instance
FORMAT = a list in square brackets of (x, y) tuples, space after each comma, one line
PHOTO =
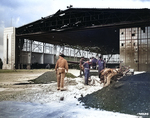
[(60, 67), (106, 75)]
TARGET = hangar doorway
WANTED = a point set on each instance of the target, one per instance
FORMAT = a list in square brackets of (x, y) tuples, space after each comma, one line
[(96, 42)]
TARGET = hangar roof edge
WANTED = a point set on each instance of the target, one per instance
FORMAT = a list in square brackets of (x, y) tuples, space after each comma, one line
[(81, 9)]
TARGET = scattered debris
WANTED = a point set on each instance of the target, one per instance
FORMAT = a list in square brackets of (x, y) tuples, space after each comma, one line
[(61, 98)]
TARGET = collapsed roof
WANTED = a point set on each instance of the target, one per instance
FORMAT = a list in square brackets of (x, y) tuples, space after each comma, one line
[(97, 29)]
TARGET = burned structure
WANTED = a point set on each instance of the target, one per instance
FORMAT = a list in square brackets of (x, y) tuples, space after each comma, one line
[(135, 47), (103, 31)]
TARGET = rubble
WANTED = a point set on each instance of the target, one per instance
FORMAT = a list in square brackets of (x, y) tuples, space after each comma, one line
[(49, 77), (128, 95)]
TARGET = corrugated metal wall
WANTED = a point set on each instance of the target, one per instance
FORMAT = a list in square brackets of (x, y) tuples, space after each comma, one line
[(135, 48)]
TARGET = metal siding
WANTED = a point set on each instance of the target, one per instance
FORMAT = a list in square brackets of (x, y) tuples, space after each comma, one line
[(148, 54), (129, 47), (131, 43), (143, 50), (122, 47)]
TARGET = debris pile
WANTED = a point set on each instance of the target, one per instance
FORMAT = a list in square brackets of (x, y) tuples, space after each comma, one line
[(49, 77), (129, 95)]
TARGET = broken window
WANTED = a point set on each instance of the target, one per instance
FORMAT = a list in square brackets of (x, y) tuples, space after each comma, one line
[(133, 34), (143, 28)]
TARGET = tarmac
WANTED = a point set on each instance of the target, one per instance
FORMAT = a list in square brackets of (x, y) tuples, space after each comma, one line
[(34, 94)]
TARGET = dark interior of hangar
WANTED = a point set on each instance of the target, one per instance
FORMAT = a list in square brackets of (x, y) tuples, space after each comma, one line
[(101, 40)]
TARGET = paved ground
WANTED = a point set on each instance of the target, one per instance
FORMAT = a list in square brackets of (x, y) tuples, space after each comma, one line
[(8, 80), (16, 86), (20, 97)]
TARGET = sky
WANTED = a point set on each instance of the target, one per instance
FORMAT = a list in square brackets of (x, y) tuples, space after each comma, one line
[(15, 13)]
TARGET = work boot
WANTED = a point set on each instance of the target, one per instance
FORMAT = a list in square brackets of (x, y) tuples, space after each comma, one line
[(58, 88), (63, 89)]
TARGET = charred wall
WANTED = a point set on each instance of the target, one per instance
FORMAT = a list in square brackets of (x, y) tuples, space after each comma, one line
[(135, 47)]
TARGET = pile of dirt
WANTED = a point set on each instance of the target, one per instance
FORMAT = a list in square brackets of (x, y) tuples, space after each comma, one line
[(49, 77), (130, 95), (70, 75)]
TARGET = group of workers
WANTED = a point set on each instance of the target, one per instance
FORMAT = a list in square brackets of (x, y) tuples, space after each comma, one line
[(85, 65)]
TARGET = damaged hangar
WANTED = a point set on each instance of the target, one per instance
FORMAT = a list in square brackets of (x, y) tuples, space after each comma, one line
[(104, 31)]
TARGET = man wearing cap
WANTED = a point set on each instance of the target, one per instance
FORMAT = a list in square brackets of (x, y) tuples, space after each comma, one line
[(60, 67), (86, 66), (81, 65), (94, 60), (101, 64)]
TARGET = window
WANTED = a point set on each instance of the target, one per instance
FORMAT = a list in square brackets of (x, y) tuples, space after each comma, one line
[(7, 52), (133, 34)]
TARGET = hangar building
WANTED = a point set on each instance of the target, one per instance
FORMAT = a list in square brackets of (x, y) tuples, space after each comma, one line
[(104, 31)]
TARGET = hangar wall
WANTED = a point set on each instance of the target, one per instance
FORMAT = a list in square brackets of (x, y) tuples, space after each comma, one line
[(9, 43), (135, 48)]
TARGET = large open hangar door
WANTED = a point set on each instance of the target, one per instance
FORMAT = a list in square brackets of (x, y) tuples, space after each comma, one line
[(107, 39), (98, 40)]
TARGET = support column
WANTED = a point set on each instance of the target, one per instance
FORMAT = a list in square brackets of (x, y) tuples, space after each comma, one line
[(9, 43), (56, 54)]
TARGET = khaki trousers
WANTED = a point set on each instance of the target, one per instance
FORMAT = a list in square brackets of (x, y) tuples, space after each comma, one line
[(60, 79)]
